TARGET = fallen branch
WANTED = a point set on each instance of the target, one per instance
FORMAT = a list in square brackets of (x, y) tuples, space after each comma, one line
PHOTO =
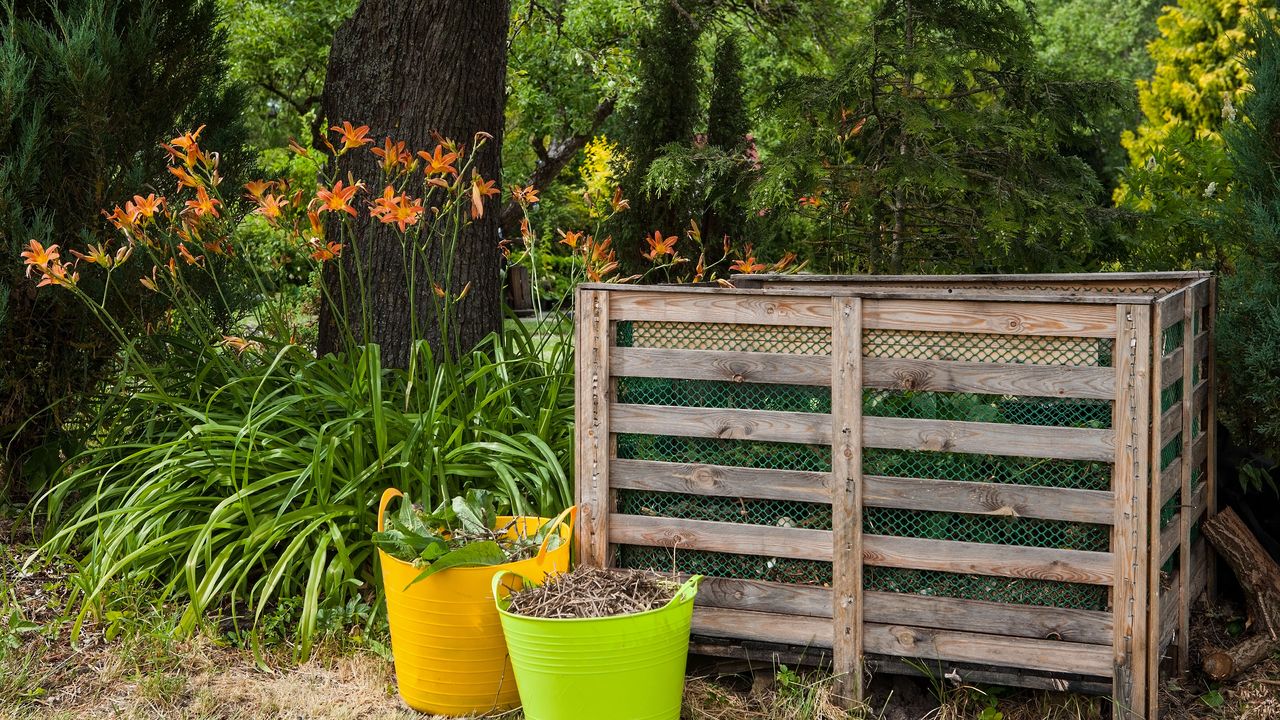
[(1259, 576)]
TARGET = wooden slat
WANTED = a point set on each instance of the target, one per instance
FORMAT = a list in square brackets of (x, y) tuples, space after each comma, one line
[(1172, 303), (984, 438), (1196, 508), (1087, 626), (1200, 450), (591, 431), (1058, 319), (1169, 612), (1167, 278), (1200, 291), (989, 378), (1199, 398), (1047, 655), (992, 618), (730, 366), (721, 481), (780, 628), (724, 537), (1180, 591), (1170, 481), (1171, 366), (1211, 437), (1129, 531), (1170, 423), (1029, 501), (1168, 541), (770, 425), (972, 674), (754, 309), (1166, 312), (846, 495), (1000, 560)]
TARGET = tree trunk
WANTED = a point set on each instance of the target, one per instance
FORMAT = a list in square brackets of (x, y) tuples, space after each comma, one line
[(407, 68), (1259, 576)]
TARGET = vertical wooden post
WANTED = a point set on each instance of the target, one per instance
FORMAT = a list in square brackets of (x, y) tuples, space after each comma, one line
[(1185, 571), (1211, 454), (846, 494), (1130, 534), (591, 431), (1150, 484)]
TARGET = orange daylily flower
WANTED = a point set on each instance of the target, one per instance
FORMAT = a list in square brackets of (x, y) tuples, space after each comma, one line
[(151, 283), (659, 246), (187, 140), (393, 155), (810, 201), (38, 256), (480, 189), (317, 227), (56, 274), (398, 209), (785, 262), (747, 266), (441, 163), (144, 207), (618, 203), (297, 149), (352, 137), (256, 188), (96, 255), (524, 195), (325, 252), (121, 219), (186, 179), (570, 238), (270, 206), (187, 256), (204, 204), (338, 198)]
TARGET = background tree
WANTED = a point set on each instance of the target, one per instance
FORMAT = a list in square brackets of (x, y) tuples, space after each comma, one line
[(1180, 175), (1249, 315), (938, 146), (410, 70), (91, 88)]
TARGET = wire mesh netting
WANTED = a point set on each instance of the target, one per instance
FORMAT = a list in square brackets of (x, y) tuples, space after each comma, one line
[(1171, 338), (1002, 469), (1017, 591), (723, 394), (988, 347), (778, 513), (1006, 409), (745, 567), (989, 529), (734, 453), (789, 339)]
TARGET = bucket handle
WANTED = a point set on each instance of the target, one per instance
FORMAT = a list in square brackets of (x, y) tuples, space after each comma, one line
[(387, 496), (571, 513), (687, 592), (496, 583)]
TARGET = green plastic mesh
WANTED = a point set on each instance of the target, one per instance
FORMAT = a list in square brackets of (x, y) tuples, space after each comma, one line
[(1171, 338), (1008, 409), (990, 529), (988, 347), (1171, 395), (746, 567), (789, 339), (1169, 509), (723, 394), (985, 587), (735, 453), (987, 468), (1171, 451), (778, 513)]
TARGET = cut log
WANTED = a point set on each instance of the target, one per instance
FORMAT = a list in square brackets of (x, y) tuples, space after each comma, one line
[(1259, 576)]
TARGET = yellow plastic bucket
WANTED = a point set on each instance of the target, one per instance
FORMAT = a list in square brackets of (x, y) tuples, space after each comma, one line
[(450, 655)]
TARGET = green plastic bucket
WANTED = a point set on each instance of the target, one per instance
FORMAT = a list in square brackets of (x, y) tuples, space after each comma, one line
[(629, 667)]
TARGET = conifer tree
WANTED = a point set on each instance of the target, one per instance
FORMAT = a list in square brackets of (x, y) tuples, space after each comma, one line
[(90, 88), (728, 132)]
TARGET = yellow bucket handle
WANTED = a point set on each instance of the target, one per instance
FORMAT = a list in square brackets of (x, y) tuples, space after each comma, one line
[(387, 496), (685, 594), (571, 513)]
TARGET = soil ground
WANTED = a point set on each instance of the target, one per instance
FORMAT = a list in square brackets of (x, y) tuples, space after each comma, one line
[(129, 664)]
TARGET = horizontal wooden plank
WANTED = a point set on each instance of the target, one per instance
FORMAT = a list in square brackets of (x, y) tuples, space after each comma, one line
[(1200, 399), (993, 618), (1200, 293), (770, 425), (1199, 450), (721, 481), (1199, 503), (975, 674), (1047, 655), (1202, 345), (1169, 538), (1171, 480), (1057, 319), (1169, 610), (1171, 306), (1170, 423), (742, 539), (748, 367), (781, 628), (1165, 278), (989, 378), (919, 610), (989, 438), (1171, 368), (999, 560), (1089, 506), (752, 309)]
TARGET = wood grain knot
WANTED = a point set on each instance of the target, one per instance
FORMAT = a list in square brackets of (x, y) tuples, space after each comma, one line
[(904, 636)]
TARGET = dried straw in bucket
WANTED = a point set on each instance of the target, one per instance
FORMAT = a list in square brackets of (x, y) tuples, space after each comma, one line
[(589, 592)]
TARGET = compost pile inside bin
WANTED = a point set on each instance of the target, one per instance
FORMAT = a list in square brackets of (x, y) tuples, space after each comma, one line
[(590, 592)]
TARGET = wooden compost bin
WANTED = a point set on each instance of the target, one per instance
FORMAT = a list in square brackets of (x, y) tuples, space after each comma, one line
[(997, 476)]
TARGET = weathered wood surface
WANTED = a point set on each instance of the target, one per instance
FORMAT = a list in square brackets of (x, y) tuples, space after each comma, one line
[(591, 430), (1000, 560), (846, 498), (726, 537), (1063, 381), (654, 305), (1047, 655), (728, 366), (983, 438), (1129, 537), (976, 674), (990, 317), (1259, 576), (1029, 501), (721, 481), (769, 425)]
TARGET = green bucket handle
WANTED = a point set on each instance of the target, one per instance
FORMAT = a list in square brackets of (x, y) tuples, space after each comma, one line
[(687, 592), (571, 515)]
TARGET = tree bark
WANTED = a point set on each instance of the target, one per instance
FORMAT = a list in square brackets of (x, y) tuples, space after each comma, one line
[(408, 68), (1259, 576)]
